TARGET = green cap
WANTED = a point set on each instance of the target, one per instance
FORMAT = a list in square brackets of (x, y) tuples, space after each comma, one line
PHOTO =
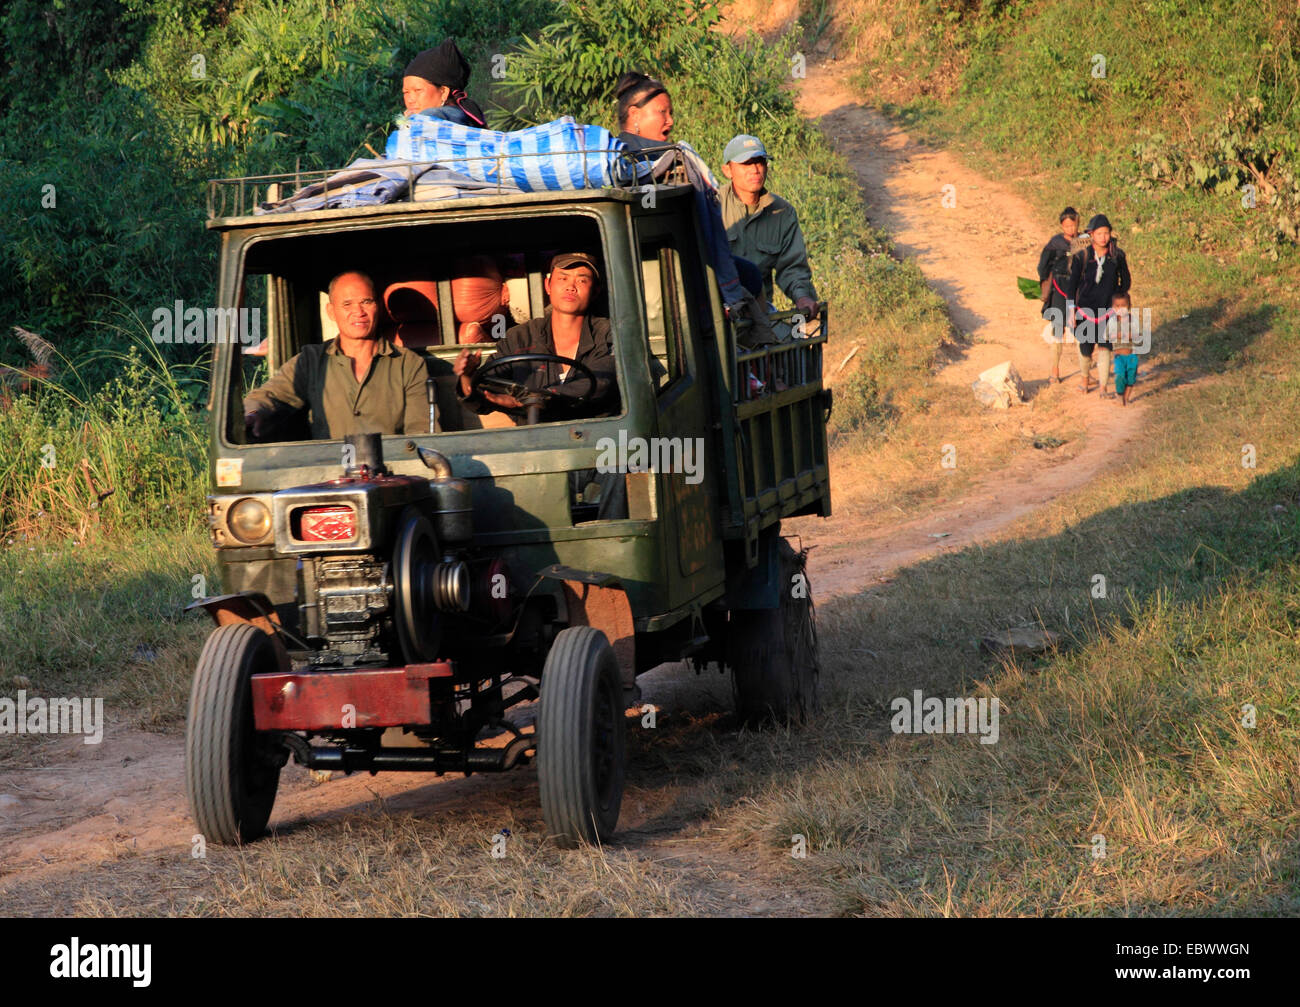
[(744, 148)]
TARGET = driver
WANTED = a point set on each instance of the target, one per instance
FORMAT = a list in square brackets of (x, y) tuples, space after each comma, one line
[(566, 330)]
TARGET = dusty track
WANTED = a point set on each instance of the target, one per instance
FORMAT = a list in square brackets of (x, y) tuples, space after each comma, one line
[(94, 803), (970, 253)]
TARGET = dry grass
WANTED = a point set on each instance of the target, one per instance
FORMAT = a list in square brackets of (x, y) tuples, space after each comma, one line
[(380, 864), (104, 619), (428, 850), (1132, 732)]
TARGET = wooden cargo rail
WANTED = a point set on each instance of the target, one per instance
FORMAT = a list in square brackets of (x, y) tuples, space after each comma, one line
[(780, 413)]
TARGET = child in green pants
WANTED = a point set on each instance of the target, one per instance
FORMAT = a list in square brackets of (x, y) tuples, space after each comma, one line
[(1121, 329)]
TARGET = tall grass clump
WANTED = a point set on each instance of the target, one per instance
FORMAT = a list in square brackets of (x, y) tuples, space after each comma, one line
[(128, 455)]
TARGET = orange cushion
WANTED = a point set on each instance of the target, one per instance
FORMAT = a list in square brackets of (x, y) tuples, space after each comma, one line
[(412, 301)]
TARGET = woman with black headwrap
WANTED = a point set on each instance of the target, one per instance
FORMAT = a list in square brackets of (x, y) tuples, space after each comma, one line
[(434, 84)]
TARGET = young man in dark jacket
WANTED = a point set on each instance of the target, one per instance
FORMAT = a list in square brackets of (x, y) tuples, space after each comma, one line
[(1097, 274), (1054, 273), (567, 330)]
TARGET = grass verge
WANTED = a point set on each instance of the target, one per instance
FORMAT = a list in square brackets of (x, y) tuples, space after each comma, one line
[(103, 619), (1138, 730)]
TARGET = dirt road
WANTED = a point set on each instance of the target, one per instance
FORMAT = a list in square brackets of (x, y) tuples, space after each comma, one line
[(971, 253), (61, 824)]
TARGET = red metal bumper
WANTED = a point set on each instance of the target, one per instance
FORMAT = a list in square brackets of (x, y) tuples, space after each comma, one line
[(357, 697)]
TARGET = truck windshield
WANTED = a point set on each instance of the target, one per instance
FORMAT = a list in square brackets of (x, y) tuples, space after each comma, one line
[(432, 289)]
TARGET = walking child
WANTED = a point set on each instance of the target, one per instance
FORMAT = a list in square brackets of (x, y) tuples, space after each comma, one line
[(1121, 330)]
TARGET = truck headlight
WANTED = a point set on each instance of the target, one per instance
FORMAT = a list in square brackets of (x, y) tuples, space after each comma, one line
[(249, 521)]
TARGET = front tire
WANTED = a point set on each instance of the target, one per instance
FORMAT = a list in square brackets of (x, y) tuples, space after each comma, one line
[(231, 775), (581, 744)]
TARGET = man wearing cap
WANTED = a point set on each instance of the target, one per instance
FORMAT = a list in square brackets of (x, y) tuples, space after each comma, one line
[(1097, 274), (762, 227), (434, 85), (355, 384), (566, 330)]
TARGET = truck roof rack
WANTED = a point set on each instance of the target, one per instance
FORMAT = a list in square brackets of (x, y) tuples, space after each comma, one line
[(250, 195)]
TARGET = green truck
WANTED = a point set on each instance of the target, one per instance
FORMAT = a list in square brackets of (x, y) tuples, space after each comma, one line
[(413, 589)]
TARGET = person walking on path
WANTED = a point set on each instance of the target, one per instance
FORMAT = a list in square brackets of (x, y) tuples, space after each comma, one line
[(1097, 274), (1125, 333), (1054, 275)]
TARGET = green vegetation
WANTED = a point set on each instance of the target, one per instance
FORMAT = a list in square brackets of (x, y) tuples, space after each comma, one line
[(105, 149), (1136, 729), (1161, 120), (127, 456)]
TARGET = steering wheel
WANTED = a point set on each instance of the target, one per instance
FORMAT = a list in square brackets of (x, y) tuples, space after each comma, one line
[(533, 399)]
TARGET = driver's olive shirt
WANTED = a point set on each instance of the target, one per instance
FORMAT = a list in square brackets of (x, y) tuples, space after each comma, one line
[(391, 399)]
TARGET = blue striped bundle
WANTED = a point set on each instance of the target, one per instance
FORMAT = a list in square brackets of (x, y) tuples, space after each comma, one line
[(555, 155)]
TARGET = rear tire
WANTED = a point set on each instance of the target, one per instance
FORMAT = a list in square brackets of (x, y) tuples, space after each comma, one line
[(581, 744), (231, 775), (773, 653)]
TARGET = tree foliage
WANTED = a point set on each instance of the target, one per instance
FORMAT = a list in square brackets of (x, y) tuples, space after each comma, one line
[(572, 65)]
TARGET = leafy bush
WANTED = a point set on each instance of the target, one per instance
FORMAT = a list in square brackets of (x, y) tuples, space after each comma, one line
[(571, 67), (1242, 155), (57, 55), (138, 436), (99, 215)]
